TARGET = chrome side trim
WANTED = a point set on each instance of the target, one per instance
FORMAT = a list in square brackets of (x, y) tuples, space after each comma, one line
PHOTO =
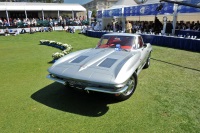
[(113, 91), (56, 79)]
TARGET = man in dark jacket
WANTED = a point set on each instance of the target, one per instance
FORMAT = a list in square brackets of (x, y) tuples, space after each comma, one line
[(157, 26), (169, 28)]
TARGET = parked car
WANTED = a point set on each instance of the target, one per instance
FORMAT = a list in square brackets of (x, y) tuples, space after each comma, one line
[(111, 67)]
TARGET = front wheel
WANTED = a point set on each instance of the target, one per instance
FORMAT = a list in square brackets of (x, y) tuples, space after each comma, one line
[(131, 84)]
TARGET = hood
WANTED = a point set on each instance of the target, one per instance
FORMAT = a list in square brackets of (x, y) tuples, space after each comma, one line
[(98, 65)]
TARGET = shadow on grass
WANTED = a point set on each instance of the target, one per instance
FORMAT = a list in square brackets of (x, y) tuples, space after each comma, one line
[(73, 101), (176, 65), (51, 62)]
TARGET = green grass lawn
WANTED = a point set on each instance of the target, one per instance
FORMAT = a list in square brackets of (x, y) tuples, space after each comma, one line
[(167, 98)]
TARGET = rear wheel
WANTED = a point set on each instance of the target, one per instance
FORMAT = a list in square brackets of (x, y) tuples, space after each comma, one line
[(147, 62), (132, 83)]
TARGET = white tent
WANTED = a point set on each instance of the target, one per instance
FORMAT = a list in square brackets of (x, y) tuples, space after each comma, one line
[(129, 3), (126, 3), (143, 17), (119, 4), (40, 7), (123, 3), (21, 6)]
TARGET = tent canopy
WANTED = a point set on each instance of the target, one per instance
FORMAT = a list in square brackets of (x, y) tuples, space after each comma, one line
[(21, 6), (126, 3), (123, 3), (152, 1)]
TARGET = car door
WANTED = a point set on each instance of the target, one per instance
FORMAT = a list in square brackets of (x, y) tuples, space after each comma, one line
[(144, 52)]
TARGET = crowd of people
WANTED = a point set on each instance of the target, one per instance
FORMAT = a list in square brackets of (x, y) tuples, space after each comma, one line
[(188, 25), (32, 30), (68, 24), (49, 21), (44, 25), (134, 26), (152, 26)]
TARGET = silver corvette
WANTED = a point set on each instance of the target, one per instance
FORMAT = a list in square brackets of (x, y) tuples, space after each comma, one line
[(112, 67)]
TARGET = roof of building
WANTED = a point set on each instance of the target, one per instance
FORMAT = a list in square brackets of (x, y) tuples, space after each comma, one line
[(21, 6)]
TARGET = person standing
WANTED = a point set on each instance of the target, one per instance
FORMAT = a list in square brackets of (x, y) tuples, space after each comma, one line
[(128, 27), (114, 25), (157, 26), (169, 28)]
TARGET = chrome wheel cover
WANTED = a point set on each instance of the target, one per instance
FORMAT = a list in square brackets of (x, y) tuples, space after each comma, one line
[(148, 61), (131, 86)]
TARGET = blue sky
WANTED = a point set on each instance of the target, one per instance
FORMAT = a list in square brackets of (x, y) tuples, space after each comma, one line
[(77, 1)]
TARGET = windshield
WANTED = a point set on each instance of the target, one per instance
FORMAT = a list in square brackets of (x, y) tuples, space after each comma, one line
[(124, 42)]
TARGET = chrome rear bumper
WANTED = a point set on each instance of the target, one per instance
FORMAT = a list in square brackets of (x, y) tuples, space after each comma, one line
[(97, 89)]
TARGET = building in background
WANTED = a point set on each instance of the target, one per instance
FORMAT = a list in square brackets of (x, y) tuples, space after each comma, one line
[(99, 4)]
